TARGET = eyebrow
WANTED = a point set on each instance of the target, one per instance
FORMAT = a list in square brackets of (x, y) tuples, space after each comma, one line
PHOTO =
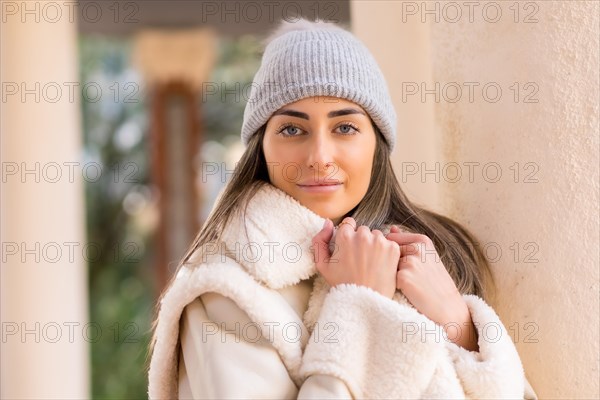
[(331, 114)]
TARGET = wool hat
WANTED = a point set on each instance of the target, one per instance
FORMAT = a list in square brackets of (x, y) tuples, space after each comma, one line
[(317, 58)]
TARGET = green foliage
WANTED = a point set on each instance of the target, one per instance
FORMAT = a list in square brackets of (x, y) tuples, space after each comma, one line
[(222, 110), (121, 261), (120, 270)]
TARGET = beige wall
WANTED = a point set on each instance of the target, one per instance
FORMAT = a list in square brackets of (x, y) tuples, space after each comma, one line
[(410, 60), (44, 289), (548, 289)]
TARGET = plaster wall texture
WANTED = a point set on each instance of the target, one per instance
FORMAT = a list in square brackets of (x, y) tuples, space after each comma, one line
[(528, 159)]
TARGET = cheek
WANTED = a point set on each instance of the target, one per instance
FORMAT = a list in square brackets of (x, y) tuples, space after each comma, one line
[(359, 175), (359, 169), (280, 163)]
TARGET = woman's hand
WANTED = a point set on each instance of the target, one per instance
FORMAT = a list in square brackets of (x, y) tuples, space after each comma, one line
[(426, 283), (361, 256)]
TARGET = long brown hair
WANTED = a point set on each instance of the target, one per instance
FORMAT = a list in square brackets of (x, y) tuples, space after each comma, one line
[(385, 203)]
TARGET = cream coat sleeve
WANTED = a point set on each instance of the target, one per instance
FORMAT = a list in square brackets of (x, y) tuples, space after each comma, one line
[(222, 355), (496, 353), (385, 349)]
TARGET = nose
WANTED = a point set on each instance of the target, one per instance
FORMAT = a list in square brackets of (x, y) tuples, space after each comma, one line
[(320, 151)]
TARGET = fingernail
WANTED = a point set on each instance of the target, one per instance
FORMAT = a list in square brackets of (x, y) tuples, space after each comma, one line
[(325, 223)]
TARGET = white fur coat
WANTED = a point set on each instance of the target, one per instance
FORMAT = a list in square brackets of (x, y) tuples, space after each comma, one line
[(382, 348)]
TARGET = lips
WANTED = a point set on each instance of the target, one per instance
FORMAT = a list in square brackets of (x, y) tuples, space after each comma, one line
[(320, 188), (321, 183)]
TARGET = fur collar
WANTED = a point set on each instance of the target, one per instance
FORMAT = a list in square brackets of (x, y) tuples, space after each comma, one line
[(273, 241), (267, 249), (275, 252)]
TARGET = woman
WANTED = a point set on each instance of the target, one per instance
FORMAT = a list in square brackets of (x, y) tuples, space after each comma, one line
[(314, 276)]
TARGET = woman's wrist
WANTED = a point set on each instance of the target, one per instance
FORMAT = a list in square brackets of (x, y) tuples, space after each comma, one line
[(462, 332)]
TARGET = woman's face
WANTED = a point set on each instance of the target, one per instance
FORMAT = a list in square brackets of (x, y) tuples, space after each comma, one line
[(320, 151)]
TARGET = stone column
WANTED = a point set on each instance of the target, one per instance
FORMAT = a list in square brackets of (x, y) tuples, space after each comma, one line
[(44, 299)]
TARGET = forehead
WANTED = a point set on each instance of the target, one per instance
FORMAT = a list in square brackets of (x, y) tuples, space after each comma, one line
[(320, 104), (323, 100)]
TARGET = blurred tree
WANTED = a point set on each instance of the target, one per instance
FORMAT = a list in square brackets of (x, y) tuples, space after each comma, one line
[(120, 198), (114, 118)]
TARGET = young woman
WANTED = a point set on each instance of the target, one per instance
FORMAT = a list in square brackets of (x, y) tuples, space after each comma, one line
[(315, 276)]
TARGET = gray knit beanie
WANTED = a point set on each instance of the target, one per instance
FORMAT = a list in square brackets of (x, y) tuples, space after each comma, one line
[(304, 59)]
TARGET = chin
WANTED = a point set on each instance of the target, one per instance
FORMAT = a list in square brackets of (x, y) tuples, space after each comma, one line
[(327, 212), (324, 205)]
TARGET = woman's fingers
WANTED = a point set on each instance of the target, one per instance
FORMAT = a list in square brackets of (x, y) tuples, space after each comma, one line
[(407, 237), (362, 257), (347, 223), (408, 249), (410, 243), (321, 244)]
